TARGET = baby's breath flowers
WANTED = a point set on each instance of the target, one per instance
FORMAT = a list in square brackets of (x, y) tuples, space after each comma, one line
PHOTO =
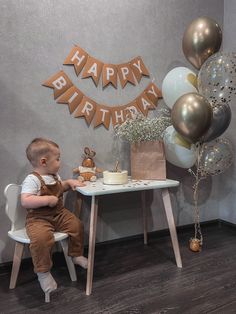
[(141, 129)]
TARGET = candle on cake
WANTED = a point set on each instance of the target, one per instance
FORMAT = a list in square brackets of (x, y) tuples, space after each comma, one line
[(115, 176)]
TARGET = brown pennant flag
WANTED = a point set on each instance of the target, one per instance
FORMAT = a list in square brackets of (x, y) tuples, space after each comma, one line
[(60, 82), (109, 75), (153, 93), (93, 69), (145, 104), (86, 109), (102, 116), (72, 97), (125, 74), (77, 57), (118, 115), (139, 68), (132, 109)]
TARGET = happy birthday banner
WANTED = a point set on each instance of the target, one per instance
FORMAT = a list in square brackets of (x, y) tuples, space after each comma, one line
[(82, 106), (65, 92), (93, 68)]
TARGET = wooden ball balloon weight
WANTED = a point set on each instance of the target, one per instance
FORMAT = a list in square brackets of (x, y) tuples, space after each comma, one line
[(195, 245)]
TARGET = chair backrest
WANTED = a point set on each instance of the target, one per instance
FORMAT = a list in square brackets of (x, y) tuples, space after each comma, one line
[(14, 210)]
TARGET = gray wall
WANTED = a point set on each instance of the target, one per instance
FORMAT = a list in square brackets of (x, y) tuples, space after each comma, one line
[(35, 38), (227, 201)]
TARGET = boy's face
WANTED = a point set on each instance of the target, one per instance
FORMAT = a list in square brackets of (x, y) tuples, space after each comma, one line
[(53, 161)]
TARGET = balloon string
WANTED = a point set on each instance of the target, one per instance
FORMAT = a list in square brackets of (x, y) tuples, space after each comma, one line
[(198, 178)]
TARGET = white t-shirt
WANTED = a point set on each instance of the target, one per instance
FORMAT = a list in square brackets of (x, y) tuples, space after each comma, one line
[(32, 184)]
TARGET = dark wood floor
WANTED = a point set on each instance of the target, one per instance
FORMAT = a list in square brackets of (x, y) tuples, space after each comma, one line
[(131, 278)]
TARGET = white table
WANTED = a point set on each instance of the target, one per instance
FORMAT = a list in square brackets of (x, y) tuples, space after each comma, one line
[(95, 189)]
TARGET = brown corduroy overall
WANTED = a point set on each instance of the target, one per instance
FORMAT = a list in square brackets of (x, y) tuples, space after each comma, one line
[(42, 222)]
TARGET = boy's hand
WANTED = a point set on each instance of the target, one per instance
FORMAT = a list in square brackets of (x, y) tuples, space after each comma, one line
[(52, 200), (74, 183)]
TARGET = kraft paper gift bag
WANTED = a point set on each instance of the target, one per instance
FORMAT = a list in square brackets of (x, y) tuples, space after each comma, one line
[(148, 161)]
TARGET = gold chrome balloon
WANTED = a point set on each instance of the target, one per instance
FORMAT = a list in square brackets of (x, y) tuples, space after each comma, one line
[(191, 116), (201, 39)]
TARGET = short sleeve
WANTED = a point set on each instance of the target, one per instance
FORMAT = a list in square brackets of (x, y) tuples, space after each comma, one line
[(31, 185)]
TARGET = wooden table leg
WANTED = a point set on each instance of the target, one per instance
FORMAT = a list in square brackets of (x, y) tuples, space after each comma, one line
[(171, 224), (92, 240), (143, 194)]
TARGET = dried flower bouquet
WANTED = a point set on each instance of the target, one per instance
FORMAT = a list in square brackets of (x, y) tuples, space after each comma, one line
[(139, 128)]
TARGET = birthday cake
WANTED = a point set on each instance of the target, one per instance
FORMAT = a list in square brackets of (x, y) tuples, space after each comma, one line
[(111, 177)]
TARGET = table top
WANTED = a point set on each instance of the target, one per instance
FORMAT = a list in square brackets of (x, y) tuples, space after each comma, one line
[(99, 188)]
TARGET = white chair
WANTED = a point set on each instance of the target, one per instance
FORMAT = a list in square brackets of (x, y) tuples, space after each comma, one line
[(17, 216)]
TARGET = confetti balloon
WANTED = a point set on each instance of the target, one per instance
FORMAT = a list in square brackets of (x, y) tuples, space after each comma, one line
[(217, 79), (216, 157)]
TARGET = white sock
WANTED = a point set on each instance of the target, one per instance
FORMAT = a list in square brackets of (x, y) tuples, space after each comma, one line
[(47, 282), (80, 260)]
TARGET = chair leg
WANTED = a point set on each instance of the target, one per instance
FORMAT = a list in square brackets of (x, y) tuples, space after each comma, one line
[(47, 297), (19, 248), (70, 264)]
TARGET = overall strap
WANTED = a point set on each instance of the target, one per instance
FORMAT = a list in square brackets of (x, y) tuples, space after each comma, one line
[(58, 182), (55, 177), (45, 188), (39, 177), (42, 182)]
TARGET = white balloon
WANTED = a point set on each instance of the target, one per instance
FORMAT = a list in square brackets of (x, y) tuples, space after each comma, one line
[(176, 83), (178, 152)]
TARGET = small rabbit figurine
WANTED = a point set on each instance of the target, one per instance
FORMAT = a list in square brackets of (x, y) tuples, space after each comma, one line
[(88, 170)]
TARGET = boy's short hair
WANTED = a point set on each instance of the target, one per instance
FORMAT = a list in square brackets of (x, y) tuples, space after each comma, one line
[(39, 147)]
